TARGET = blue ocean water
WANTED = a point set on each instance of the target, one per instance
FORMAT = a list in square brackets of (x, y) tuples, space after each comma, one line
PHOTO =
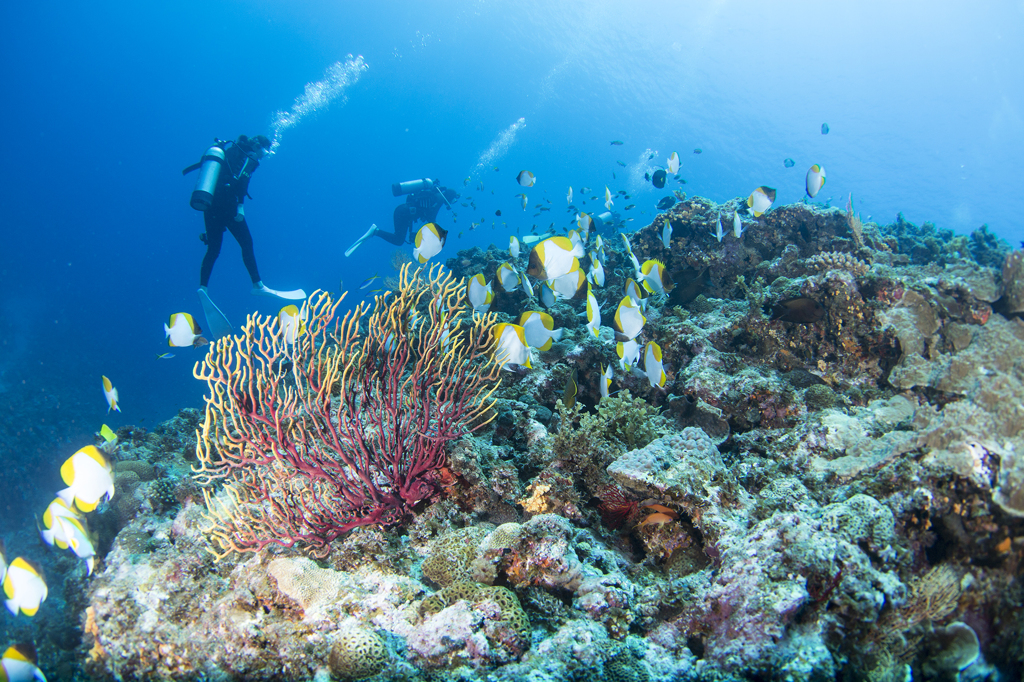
[(106, 102)]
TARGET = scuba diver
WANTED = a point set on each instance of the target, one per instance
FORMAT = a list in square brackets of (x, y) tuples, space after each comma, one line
[(220, 192), (424, 198)]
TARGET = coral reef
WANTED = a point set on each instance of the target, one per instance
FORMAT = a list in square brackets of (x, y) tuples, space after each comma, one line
[(829, 485)]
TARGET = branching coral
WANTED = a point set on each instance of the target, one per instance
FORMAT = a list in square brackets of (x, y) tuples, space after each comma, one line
[(301, 467)]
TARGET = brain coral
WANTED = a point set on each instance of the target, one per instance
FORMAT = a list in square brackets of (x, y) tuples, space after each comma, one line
[(358, 652)]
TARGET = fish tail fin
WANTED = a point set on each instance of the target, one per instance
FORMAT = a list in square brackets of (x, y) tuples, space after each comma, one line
[(67, 495), (557, 334)]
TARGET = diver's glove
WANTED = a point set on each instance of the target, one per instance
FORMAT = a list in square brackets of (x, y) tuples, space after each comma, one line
[(240, 213)]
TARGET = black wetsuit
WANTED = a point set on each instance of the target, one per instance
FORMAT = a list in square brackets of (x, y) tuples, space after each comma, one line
[(232, 188), (422, 205)]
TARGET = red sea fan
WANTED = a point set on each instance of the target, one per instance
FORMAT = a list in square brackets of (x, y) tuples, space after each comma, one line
[(616, 509)]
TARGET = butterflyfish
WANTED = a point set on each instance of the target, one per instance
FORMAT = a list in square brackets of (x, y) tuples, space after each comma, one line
[(737, 225), (596, 274), (569, 285), (718, 229), (52, 532), (656, 278), (629, 321), (182, 331), (480, 293), (606, 381), (527, 287), (628, 352), (673, 163), (24, 587), (635, 292), (539, 329), (568, 197), (552, 258), (110, 393), (108, 435), (608, 203), (593, 313), (291, 324), (526, 178), (653, 365), (547, 295), (578, 248), (513, 246), (658, 178), (508, 277), (19, 664), (760, 200), (525, 200), (666, 234), (583, 222), (511, 347), (599, 246), (429, 242), (815, 180), (570, 390), (89, 478)]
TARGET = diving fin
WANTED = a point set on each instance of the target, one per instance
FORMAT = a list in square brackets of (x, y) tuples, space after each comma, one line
[(359, 242), (261, 289), (216, 322)]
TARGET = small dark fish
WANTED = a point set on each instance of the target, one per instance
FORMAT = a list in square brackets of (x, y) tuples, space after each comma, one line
[(789, 163), (667, 202), (824, 129), (617, 143), (536, 215), (647, 177), (614, 176), (569, 395), (498, 212), (659, 178), (802, 310), (698, 150), (621, 164), (630, 207), (651, 156)]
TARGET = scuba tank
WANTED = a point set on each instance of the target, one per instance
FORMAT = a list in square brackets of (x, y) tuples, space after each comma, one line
[(206, 184), (410, 186)]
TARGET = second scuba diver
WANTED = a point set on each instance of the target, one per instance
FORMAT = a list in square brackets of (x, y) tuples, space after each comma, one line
[(423, 199), (220, 192)]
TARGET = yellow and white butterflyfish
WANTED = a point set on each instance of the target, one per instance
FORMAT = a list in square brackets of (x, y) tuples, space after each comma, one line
[(110, 393), (508, 277), (527, 287), (513, 247), (89, 478), (635, 292), (599, 246), (628, 352), (653, 366), (526, 178), (18, 664), (552, 258), (579, 248), (291, 323), (511, 347), (24, 587), (718, 229), (656, 278), (52, 532), (539, 329), (547, 295), (673, 163), (525, 200), (737, 225), (429, 242), (568, 197), (593, 313), (77, 537), (596, 274), (608, 203), (666, 234), (760, 200), (181, 331), (584, 223), (815, 180), (480, 293), (569, 285), (606, 381), (629, 321)]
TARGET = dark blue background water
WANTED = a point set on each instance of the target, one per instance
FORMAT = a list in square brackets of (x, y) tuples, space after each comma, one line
[(104, 103)]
